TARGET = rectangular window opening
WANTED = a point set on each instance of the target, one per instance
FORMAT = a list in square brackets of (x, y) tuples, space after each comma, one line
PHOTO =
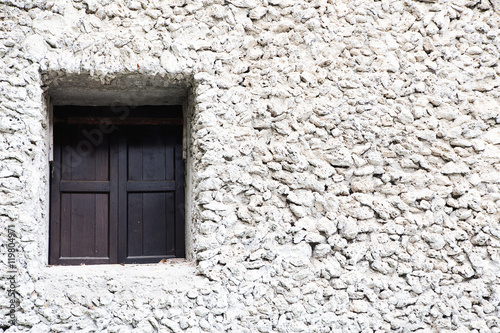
[(117, 185)]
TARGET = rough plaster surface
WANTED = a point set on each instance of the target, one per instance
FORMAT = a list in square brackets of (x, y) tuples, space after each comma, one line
[(344, 158)]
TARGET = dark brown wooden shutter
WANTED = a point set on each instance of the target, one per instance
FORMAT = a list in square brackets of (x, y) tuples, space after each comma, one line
[(151, 193), (116, 196)]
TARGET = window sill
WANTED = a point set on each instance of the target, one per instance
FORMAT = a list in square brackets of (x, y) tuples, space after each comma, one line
[(176, 274)]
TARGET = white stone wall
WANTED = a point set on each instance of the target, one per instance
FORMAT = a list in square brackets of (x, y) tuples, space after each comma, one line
[(345, 163)]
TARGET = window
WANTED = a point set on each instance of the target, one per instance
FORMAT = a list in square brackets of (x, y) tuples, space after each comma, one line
[(117, 185)]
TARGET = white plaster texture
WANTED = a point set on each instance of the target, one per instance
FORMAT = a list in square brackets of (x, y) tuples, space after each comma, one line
[(344, 162)]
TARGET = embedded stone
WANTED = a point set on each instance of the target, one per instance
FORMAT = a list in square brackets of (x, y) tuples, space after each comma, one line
[(451, 168), (493, 136)]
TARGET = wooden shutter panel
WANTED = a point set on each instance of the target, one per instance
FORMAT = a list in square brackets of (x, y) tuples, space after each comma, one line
[(151, 180), (83, 217)]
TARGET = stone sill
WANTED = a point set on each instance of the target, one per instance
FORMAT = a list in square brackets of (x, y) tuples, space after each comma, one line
[(170, 267), (176, 274)]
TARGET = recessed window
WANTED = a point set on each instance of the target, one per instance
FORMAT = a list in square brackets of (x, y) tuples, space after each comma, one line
[(117, 185)]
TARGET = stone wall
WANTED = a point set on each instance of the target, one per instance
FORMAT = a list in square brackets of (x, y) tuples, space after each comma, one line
[(344, 163)]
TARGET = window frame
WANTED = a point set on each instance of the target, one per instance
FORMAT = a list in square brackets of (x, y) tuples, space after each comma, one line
[(115, 253)]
